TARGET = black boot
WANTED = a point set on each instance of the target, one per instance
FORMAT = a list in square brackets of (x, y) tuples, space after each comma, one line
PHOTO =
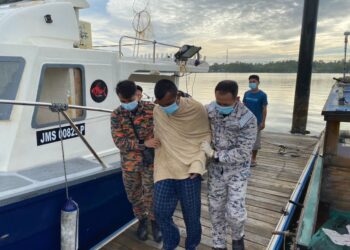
[(238, 244), (219, 248), (142, 230), (157, 235)]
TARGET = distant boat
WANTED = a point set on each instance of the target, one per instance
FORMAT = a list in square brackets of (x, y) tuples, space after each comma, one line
[(46, 57)]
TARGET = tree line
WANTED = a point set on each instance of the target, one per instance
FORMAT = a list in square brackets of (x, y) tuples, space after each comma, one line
[(289, 66)]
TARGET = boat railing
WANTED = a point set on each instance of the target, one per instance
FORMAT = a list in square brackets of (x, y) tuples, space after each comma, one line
[(137, 41), (60, 109)]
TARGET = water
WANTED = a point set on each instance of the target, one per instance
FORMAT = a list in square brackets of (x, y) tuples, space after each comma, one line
[(280, 90)]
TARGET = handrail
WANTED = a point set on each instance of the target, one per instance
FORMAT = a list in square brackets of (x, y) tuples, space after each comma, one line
[(54, 107), (154, 42), (49, 105)]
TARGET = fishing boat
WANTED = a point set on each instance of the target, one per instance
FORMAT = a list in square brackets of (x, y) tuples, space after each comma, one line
[(324, 222), (325, 218), (51, 153)]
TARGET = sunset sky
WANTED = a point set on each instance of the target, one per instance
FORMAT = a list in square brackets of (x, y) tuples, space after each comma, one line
[(251, 30)]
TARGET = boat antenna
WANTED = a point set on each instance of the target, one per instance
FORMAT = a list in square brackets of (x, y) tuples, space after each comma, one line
[(141, 22), (346, 34)]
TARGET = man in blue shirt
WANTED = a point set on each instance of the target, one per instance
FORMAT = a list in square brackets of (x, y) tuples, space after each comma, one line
[(256, 101)]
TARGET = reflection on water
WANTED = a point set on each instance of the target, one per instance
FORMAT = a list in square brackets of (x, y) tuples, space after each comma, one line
[(280, 90)]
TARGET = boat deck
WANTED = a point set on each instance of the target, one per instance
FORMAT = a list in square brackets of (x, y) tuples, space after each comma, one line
[(280, 164)]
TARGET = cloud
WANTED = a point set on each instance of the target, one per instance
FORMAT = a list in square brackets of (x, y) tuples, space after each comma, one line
[(251, 30)]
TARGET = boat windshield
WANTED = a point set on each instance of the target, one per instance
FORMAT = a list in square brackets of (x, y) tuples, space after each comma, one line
[(11, 69)]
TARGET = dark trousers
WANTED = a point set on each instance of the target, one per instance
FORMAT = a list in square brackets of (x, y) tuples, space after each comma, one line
[(167, 193)]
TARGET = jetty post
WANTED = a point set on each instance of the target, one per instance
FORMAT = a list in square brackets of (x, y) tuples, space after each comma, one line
[(306, 53)]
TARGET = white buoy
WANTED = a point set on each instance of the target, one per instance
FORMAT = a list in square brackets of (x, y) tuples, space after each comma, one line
[(69, 225)]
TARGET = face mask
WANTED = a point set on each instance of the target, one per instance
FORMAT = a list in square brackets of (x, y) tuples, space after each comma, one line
[(130, 106), (224, 110), (171, 108), (252, 85)]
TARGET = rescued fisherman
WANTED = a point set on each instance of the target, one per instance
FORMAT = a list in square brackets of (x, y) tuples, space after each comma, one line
[(132, 132), (181, 125), (234, 130)]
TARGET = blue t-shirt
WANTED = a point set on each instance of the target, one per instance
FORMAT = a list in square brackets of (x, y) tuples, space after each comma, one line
[(255, 103)]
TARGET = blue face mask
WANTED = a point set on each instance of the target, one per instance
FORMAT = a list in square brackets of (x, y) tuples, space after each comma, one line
[(171, 108), (252, 85), (130, 106), (224, 110)]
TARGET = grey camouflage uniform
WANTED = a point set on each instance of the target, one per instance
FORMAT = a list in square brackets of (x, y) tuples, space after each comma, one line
[(233, 138)]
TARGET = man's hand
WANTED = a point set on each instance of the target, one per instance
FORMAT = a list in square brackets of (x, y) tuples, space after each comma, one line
[(152, 143), (262, 126), (209, 152)]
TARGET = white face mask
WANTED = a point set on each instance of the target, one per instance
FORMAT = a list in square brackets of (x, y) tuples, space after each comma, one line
[(171, 108)]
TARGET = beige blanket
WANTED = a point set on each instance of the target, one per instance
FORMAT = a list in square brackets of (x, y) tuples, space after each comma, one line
[(180, 135)]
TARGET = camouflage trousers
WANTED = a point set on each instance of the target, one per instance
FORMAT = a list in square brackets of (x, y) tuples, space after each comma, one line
[(139, 189), (226, 194)]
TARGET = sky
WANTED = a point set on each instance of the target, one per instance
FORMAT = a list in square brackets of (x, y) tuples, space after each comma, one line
[(245, 30)]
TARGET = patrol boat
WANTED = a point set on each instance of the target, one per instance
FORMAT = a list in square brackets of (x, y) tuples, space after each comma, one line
[(53, 153)]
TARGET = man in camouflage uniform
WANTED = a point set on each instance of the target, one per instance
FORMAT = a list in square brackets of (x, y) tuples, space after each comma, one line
[(234, 130), (132, 132)]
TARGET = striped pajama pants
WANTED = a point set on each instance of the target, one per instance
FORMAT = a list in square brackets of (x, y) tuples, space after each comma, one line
[(167, 193)]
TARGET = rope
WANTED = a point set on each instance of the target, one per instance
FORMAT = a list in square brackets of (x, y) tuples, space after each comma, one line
[(186, 84), (63, 157), (194, 81), (291, 151)]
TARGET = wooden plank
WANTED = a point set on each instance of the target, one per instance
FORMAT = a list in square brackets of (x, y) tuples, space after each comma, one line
[(335, 188), (268, 186), (282, 167), (265, 200), (268, 191), (206, 231), (288, 184), (263, 211), (270, 173), (309, 214), (281, 163), (331, 138), (276, 184), (251, 226)]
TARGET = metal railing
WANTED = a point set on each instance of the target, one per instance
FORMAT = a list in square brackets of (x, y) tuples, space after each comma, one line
[(61, 108), (154, 42)]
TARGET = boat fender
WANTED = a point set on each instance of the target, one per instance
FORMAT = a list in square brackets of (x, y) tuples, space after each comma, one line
[(69, 225)]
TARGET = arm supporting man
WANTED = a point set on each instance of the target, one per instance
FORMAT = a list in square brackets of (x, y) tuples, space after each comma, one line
[(122, 139), (242, 152)]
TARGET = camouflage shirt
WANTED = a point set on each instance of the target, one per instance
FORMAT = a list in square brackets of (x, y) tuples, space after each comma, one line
[(124, 136), (233, 136)]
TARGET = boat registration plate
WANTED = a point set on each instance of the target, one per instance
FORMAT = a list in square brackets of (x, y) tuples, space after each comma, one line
[(55, 134)]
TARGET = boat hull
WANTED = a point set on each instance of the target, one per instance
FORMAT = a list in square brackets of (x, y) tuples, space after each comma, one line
[(35, 223)]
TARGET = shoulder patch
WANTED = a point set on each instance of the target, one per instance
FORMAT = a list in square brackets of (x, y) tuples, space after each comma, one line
[(245, 118)]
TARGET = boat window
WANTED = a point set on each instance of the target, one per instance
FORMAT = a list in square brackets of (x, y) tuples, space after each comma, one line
[(9, 1), (59, 84), (11, 69)]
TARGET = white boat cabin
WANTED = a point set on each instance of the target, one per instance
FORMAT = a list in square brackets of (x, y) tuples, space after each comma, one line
[(46, 56)]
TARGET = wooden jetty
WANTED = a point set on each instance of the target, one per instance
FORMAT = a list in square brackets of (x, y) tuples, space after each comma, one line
[(281, 161)]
